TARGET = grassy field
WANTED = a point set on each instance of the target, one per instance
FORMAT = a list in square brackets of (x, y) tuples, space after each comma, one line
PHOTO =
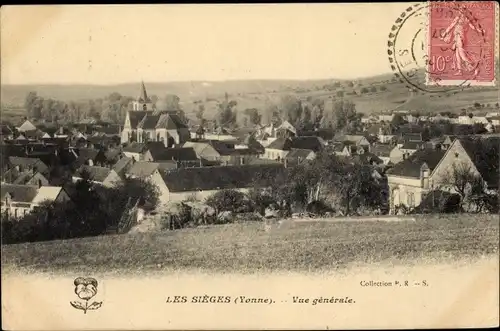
[(249, 247)]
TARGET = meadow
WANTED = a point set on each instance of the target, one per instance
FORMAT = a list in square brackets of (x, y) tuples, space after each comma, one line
[(251, 247)]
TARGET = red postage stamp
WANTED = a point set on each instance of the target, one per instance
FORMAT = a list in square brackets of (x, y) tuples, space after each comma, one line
[(462, 43)]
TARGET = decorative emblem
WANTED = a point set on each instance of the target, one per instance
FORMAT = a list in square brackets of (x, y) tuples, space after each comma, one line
[(85, 289)]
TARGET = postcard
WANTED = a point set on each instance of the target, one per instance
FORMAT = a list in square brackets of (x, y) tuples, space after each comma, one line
[(250, 166)]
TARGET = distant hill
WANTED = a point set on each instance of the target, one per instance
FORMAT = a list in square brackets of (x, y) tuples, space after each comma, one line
[(390, 93)]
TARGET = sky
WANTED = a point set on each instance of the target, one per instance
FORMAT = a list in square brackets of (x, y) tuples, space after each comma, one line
[(114, 44)]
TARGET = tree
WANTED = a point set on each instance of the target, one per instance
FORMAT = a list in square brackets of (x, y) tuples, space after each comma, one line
[(364, 90), (253, 115), (200, 113), (345, 116), (291, 109), (228, 200), (171, 102), (33, 105), (227, 115), (383, 88), (355, 187), (398, 120), (373, 89), (463, 180)]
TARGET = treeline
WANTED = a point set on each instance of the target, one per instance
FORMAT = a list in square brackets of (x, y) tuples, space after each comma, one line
[(112, 108), (92, 211)]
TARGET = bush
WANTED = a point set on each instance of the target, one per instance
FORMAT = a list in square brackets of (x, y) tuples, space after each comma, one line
[(92, 211), (229, 200)]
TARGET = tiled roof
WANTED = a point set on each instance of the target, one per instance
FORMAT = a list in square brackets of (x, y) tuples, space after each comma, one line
[(297, 152), (217, 178), (411, 145), (284, 144), (178, 154), (149, 122), (410, 167), (382, 150), (24, 161), (122, 164), (170, 122), (23, 178), (136, 117), (87, 153), (98, 174), (485, 153), (47, 193), (20, 193), (313, 143), (135, 148), (112, 153), (142, 169)]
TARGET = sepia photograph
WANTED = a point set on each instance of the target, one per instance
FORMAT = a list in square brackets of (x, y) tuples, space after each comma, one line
[(250, 166)]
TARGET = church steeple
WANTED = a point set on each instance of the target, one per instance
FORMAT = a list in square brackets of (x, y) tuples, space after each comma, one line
[(143, 102), (144, 95)]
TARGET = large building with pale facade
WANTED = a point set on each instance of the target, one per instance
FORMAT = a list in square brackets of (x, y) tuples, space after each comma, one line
[(146, 123)]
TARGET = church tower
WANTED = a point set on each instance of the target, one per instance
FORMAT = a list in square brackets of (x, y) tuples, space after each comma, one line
[(143, 102)]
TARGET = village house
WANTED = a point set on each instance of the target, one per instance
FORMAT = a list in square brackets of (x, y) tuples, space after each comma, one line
[(297, 156), (286, 130), (408, 180), (91, 157), (22, 164), (6, 132), (104, 176), (494, 120), (357, 140), (383, 152), (185, 155), (152, 172), (29, 176), (123, 165), (26, 126), (135, 150), (19, 200), (481, 155), (387, 118), (279, 149), (200, 183), (403, 151)]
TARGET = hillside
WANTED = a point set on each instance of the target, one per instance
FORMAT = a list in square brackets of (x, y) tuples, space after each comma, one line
[(262, 93)]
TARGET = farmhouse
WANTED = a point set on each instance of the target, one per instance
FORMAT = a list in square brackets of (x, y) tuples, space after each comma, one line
[(481, 156), (19, 200), (279, 149), (200, 183), (409, 179)]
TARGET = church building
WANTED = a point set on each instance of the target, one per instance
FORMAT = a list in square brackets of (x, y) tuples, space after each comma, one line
[(146, 123)]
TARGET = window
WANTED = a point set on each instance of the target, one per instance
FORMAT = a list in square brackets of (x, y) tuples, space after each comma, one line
[(456, 154), (411, 199)]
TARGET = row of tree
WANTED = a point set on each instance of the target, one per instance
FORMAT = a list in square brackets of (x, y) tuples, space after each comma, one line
[(112, 108)]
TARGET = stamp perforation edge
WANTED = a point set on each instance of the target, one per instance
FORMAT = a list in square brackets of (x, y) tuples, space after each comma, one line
[(472, 83)]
